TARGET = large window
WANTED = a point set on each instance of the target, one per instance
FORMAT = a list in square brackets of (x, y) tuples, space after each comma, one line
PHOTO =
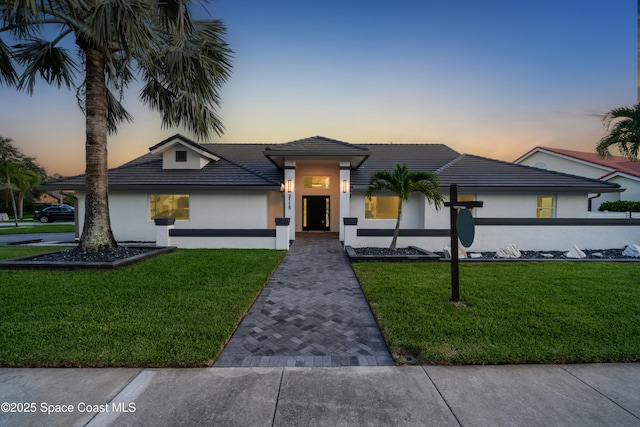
[(381, 207), (169, 205), (545, 207), (315, 182)]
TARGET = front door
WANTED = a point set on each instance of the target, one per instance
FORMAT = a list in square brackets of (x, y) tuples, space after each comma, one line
[(315, 213)]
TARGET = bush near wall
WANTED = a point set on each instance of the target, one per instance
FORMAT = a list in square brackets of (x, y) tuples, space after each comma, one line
[(620, 206)]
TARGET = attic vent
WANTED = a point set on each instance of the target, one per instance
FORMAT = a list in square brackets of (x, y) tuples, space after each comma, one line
[(181, 156)]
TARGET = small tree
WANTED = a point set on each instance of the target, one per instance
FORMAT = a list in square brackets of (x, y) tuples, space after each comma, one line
[(403, 182), (623, 125), (16, 178)]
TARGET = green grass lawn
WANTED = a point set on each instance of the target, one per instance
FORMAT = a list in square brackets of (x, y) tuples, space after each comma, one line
[(36, 227), (174, 310), (552, 312)]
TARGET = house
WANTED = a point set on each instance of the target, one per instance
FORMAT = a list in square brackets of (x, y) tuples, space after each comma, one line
[(50, 198), (232, 195), (617, 169)]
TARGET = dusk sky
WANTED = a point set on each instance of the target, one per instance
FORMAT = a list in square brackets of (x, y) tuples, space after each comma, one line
[(493, 78)]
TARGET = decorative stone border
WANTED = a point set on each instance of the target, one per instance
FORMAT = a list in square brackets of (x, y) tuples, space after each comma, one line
[(427, 256), (27, 263)]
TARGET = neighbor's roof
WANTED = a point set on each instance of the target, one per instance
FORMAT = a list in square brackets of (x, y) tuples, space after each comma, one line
[(253, 166), (613, 164)]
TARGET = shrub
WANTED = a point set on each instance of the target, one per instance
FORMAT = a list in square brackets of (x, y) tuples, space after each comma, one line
[(620, 206)]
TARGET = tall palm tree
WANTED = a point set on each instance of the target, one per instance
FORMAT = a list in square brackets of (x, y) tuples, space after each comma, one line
[(403, 182), (181, 61), (623, 125)]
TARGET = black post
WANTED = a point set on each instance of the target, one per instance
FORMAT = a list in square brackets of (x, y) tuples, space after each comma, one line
[(455, 272)]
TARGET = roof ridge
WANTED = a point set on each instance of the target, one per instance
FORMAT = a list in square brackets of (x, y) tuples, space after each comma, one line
[(449, 163), (250, 170)]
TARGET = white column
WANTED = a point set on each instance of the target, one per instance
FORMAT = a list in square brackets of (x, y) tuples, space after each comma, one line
[(350, 231), (290, 196), (163, 225), (345, 195), (282, 234)]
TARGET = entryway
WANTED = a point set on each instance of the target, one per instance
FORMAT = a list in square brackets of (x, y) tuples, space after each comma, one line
[(316, 213)]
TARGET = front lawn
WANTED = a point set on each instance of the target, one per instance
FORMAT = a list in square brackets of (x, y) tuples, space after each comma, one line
[(553, 312), (36, 227), (174, 310)]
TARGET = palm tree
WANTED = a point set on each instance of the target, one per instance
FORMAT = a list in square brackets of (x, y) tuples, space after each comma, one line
[(16, 178), (24, 183), (182, 63), (403, 182), (623, 125)]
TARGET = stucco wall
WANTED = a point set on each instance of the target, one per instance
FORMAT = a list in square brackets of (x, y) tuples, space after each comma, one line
[(525, 237), (130, 213), (555, 163), (330, 168)]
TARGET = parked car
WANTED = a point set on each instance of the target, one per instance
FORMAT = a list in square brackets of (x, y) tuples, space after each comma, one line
[(55, 213)]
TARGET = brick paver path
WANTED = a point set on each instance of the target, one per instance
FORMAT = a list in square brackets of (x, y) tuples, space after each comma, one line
[(311, 313)]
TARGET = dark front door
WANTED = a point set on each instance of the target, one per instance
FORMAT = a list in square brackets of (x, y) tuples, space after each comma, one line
[(315, 213)]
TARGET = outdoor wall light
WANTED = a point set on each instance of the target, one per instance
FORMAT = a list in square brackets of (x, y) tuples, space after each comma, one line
[(282, 187), (344, 186), (288, 186)]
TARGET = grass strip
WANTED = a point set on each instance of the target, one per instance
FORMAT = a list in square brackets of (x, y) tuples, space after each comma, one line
[(176, 310), (512, 313), (37, 228)]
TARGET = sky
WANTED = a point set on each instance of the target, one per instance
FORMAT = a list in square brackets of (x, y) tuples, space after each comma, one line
[(493, 78)]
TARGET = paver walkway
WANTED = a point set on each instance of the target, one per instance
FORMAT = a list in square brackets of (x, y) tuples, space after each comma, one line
[(312, 312)]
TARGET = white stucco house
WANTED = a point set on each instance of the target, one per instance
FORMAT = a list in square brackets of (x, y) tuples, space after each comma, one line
[(234, 195), (617, 169)]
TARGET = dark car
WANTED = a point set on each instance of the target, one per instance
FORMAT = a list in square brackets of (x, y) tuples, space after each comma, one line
[(55, 213)]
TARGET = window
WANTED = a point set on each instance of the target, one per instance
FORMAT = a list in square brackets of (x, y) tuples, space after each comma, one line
[(315, 182), (181, 156), (545, 207), (169, 205), (381, 207), (467, 199)]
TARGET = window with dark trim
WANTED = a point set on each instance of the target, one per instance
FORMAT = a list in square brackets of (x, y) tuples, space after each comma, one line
[(181, 156)]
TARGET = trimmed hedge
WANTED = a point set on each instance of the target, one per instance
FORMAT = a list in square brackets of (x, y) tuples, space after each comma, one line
[(620, 206)]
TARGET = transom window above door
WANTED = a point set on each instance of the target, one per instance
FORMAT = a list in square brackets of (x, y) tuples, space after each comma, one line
[(315, 182)]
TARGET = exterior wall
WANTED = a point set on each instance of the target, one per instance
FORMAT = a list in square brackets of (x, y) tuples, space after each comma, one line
[(131, 221), (275, 207), (573, 167), (194, 160), (632, 188), (413, 212), (490, 238)]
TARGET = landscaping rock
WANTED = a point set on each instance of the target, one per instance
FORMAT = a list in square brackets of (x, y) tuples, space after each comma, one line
[(511, 251), (546, 255), (632, 251), (462, 253), (575, 252), (475, 255)]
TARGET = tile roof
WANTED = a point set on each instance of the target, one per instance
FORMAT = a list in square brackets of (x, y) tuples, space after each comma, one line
[(247, 165)]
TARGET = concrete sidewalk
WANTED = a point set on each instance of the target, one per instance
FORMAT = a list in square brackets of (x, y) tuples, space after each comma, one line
[(517, 395)]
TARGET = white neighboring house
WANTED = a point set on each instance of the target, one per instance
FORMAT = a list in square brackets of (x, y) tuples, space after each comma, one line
[(617, 169), (233, 195)]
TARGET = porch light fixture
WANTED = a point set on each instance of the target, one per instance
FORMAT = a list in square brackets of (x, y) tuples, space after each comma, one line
[(282, 187), (344, 186), (288, 186)]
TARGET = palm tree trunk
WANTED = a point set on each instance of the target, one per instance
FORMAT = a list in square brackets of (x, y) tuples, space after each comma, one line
[(396, 232), (13, 203), (96, 234), (21, 205)]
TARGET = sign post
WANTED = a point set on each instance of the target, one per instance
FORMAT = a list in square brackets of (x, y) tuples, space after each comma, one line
[(467, 230)]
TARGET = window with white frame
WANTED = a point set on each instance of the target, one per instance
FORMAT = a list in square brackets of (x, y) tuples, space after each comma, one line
[(546, 207), (169, 206), (381, 207)]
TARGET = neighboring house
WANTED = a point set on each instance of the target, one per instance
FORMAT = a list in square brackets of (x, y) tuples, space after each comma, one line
[(50, 197), (223, 195), (617, 169)]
